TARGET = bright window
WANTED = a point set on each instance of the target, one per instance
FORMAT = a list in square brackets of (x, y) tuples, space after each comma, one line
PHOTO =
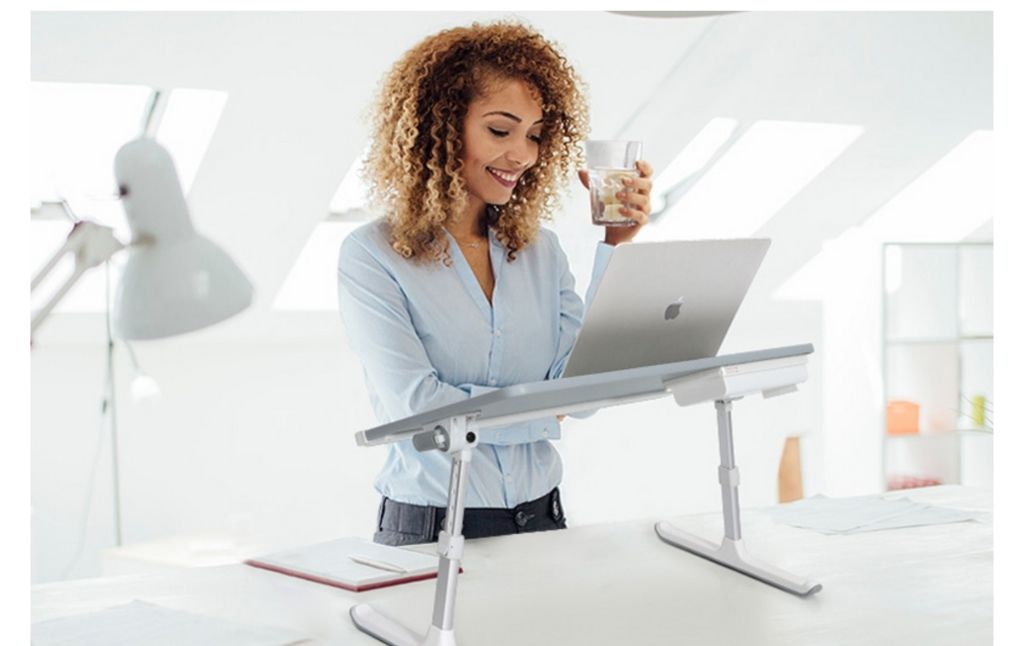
[(770, 163), (351, 193), (682, 171), (186, 129), (946, 203), (76, 130), (311, 284)]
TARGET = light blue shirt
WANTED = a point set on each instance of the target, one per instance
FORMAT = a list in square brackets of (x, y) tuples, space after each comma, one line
[(427, 336)]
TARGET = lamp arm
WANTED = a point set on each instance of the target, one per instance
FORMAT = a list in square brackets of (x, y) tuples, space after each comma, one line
[(92, 244), (52, 262)]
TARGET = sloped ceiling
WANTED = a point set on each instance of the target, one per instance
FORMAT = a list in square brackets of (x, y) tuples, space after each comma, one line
[(299, 82)]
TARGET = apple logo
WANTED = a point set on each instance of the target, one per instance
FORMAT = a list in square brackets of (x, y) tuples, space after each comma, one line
[(672, 310)]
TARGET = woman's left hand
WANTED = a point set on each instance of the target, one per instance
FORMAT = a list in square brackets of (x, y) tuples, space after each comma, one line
[(636, 200)]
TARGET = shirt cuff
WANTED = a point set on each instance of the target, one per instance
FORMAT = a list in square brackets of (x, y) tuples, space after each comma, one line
[(542, 428), (601, 258)]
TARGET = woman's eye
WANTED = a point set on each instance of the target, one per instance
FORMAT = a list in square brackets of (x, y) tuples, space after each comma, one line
[(535, 138), (498, 133)]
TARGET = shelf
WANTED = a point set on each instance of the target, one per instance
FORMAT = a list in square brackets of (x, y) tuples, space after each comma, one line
[(937, 352), (938, 434), (953, 339)]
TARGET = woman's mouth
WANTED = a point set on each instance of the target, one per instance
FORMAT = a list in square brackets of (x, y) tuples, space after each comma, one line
[(505, 178)]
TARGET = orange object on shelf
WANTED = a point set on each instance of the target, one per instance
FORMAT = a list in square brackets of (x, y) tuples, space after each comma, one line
[(903, 417)]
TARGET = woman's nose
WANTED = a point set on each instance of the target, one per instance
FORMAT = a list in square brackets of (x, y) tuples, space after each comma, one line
[(520, 155)]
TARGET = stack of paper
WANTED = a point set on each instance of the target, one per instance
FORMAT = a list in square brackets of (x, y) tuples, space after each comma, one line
[(142, 623), (863, 514)]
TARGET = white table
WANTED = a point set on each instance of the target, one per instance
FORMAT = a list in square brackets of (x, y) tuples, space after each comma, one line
[(619, 584)]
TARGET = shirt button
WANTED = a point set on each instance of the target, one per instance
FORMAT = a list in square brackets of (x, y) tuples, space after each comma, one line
[(545, 433), (497, 332), (497, 435)]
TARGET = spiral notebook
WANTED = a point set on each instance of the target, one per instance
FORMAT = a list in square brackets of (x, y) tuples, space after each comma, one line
[(351, 563)]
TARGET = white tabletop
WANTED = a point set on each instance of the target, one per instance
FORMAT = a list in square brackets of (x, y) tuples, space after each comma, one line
[(619, 584)]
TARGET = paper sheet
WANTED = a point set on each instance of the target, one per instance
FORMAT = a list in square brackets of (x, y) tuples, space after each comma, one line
[(863, 514), (142, 623)]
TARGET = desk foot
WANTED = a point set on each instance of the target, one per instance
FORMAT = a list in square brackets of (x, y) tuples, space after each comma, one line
[(389, 631), (733, 555)]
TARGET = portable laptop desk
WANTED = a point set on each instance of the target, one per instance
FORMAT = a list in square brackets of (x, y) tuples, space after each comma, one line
[(453, 429)]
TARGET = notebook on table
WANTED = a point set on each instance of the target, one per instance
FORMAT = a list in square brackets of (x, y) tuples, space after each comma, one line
[(351, 563)]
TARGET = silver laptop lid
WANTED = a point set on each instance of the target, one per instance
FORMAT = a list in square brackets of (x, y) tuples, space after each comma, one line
[(662, 302)]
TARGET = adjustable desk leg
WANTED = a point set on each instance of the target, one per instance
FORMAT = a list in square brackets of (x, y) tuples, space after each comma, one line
[(449, 546), (732, 552)]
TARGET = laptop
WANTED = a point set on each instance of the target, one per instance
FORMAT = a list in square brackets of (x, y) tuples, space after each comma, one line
[(663, 302)]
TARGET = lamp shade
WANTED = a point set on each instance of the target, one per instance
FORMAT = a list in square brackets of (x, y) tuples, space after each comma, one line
[(174, 280)]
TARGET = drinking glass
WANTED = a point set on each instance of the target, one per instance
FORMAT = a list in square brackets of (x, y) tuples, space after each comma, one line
[(608, 163)]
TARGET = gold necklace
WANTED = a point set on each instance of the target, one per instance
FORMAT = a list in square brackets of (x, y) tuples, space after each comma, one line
[(470, 245)]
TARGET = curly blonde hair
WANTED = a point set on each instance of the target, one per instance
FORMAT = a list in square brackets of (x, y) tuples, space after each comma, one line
[(414, 165)]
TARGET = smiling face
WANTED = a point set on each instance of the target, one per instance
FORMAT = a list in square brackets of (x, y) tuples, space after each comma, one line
[(501, 136)]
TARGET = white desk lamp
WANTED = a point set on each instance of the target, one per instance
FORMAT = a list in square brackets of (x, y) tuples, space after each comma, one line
[(175, 280)]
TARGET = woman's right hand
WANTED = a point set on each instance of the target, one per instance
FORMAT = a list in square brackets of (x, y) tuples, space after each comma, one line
[(636, 203)]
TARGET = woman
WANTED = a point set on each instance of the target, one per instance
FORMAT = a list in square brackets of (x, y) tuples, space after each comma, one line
[(458, 290)]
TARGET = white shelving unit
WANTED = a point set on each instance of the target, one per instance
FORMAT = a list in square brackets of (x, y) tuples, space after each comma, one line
[(937, 352)]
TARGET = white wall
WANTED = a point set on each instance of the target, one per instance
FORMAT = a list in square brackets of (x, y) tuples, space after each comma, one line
[(67, 440), (243, 436)]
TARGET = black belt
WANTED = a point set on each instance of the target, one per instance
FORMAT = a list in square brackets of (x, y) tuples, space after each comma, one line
[(400, 523)]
